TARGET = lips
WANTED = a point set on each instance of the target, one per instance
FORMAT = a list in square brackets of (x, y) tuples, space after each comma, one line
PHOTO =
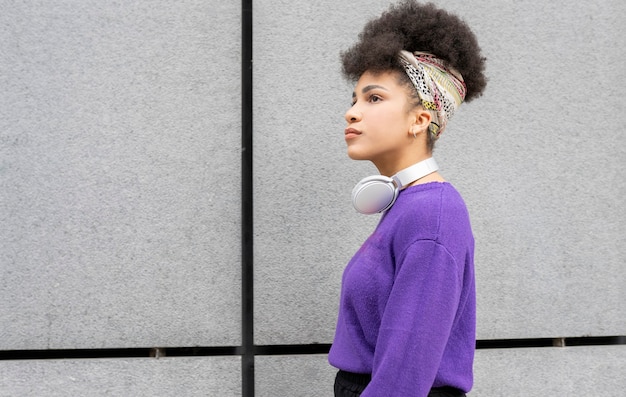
[(351, 133)]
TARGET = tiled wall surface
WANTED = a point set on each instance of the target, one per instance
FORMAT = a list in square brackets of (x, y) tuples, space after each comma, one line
[(120, 192), (120, 175), (194, 376)]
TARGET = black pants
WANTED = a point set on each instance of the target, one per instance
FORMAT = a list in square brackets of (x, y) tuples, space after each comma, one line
[(348, 384)]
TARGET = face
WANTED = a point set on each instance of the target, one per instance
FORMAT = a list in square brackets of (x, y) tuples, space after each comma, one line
[(380, 121)]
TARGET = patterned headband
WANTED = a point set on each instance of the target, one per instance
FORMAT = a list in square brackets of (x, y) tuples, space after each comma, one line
[(440, 88)]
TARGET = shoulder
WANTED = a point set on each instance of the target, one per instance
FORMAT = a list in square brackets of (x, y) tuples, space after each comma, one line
[(429, 200), (426, 211)]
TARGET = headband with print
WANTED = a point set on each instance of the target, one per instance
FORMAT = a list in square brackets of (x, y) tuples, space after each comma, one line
[(440, 88)]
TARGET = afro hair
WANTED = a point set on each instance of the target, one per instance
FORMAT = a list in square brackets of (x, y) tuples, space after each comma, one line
[(412, 26)]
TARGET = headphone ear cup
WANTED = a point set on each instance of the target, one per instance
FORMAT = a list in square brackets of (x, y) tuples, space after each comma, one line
[(373, 194)]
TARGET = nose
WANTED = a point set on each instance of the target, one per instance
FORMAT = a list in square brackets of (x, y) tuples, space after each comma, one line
[(353, 114)]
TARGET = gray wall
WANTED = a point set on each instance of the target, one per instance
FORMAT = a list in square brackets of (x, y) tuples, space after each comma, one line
[(120, 199)]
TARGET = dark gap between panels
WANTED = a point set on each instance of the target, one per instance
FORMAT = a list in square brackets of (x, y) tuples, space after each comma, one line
[(142, 352), (275, 350), (550, 342), (247, 205)]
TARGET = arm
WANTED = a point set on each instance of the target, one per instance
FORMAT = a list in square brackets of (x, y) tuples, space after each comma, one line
[(416, 322)]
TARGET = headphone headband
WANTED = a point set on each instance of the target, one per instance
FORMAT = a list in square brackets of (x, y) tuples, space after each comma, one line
[(415, 172), (377, 193)]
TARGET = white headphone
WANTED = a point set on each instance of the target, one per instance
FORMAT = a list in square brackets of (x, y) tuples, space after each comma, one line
[(377, 193)]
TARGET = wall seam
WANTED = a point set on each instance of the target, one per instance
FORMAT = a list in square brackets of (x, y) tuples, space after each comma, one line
[(247, 214)]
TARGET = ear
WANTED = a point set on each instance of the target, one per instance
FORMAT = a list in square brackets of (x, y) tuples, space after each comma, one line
[(421, 121)]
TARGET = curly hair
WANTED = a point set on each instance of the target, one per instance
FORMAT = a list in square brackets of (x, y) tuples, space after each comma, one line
[(412, 26)]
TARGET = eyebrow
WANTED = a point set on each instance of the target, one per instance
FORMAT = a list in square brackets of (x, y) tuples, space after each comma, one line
[(369, 88)]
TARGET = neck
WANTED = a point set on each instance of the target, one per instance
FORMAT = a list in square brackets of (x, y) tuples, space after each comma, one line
[(390, 167), (415, 173)]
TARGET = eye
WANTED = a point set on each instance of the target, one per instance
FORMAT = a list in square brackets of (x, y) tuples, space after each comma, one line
[(374, 98)]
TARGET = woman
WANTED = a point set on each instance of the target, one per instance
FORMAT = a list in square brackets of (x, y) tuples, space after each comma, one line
[(406, 324)]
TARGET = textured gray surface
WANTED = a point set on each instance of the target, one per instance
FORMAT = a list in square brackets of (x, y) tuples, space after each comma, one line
[(119, 174), (305, 226), (176, 376), (545, 187), (570, 371), (530, 372), (120, 191), (294, 376), (540, 169)]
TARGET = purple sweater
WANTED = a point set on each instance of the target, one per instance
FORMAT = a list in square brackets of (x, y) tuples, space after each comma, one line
[(408, 303)]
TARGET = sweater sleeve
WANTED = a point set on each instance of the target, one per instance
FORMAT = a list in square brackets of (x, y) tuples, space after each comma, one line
[(416, 322)]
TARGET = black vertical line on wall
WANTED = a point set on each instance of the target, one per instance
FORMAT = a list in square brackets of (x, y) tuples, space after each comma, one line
[(247, 221)]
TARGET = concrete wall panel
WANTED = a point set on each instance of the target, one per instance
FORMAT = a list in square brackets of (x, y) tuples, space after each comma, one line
[(305, 226), (119, 174), (544, 190), (176, 376), (577, 371), (297, 376), (584, 370)]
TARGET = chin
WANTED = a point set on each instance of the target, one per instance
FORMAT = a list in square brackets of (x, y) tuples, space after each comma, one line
[(356, 155)]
